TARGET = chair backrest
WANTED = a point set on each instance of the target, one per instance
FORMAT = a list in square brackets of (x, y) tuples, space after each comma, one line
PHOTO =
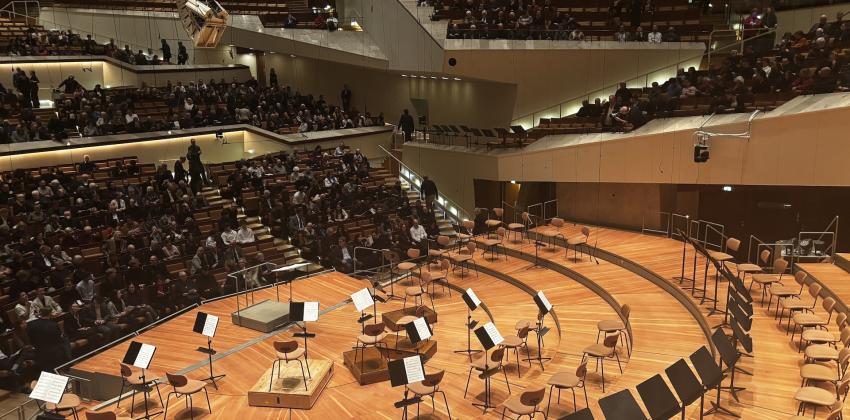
[(425, 278), (497, 355), (468, 225), (585, 231), (421, 311), (526, 218), (800, 277), (444, 264), (471, 247), (779, 266), (733, 244), (557, 222), (126, 371), (523, 332), (626, 310), (498, 211), (533, 396), (374, 329), (285, 346), (443, 240), (413, 253), (814, 290), (176, 380), (611, 341), (581, 370), (836, 411), (841, 320), (828, 305), (433, 378), (764, 256), (501, 232), (845, 336), (100, 415)]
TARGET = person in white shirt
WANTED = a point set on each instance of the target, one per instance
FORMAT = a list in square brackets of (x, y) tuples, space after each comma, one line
[(228, 236), (654, 37), (331, 180), (130, 116), (417, 233), (44, 301), (24, 309), (245, 235)]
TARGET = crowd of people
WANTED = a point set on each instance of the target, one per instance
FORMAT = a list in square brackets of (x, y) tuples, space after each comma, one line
[(38, 42), (47, 219), (98, 111), (801, 63)]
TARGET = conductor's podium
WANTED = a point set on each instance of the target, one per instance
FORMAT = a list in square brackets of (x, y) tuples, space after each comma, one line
[(204, 21)]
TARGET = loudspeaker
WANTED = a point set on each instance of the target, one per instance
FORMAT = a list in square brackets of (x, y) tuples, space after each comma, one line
[(701, 153)]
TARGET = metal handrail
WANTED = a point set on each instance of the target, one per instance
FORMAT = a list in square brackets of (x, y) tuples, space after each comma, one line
[(721, 230), (645, 75), (674, 231), (9, 13), (555, 200), (711, 227), (446, 204), (759, 243), (236, 282), (666, 232)]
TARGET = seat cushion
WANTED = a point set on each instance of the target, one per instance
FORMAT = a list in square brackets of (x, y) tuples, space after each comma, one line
[(370, 339), (460, 257), (720, 256), (419, 389), (819, 336), (599, 350), (512, 341), (815, 395), (67, 402), (821, 352), (749, 268), (808, 319), (437, 252), (766, 278), (490, 242), (610, 325), (515, 405), (463, 235), (192, 386), (413, 291), (577, 240), (818, 372), (479, 363), (782, 291), (564, 380), (492, 222), (795, 303), (406, 266), (515, 226), (522, 324), (294, 354)]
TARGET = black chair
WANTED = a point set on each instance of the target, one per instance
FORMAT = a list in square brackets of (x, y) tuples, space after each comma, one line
[(686, 385), (712, 377), (729, 355), (621, 406), (583, 414), (657, 398)]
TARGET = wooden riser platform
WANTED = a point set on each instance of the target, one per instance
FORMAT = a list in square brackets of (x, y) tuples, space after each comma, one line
[(370, 366), (288, 391)]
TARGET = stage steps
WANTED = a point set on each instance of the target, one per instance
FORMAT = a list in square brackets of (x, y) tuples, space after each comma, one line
[(443, 223)]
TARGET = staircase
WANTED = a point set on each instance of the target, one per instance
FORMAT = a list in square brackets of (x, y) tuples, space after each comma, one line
[(443, 223)]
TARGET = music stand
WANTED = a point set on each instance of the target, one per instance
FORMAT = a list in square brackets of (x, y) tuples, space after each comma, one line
[(362, 300), (304, 312), (472, 303), (488, 132), (685, 241), (418, 330), (206, 324), (140, 356), (583, 414), (729, 355), (404, 372), (711, 376), (621, 406), (289, 268), (686, 385), (489, 337), (657, 398), (50, 388), (540, 330)]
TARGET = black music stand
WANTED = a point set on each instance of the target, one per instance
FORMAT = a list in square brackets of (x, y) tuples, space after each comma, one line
[(544, 307), (362, 300), (657, 398), (711, 376), (304, 312), (583, 414), (686, 385), (418, 330), (729, 355), (700, 249), (404, 372), (621, 406), (472, 303), (489, 337), (140, 356), (206, 324)]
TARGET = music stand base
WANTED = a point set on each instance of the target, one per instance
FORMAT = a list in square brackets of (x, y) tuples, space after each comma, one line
[(719, 409), (212, 379)]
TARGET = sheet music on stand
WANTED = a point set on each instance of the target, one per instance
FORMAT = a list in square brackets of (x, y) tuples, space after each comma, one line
[(418, 330), (489, 336), (471, 299), (362, 299), (205, 324), (304, 311), (406, 371), (542, 302), (139, 355), (50, 387)]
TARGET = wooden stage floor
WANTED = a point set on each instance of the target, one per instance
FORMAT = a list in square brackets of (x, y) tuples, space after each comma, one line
[(663, 329)]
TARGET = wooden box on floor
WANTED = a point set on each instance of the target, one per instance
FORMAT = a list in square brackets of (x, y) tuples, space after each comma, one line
[(390, 318), (404, 348), (374, 366), (288, 391)]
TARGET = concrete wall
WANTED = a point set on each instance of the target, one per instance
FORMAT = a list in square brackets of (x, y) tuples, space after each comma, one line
[(803, 19), (472, 103)]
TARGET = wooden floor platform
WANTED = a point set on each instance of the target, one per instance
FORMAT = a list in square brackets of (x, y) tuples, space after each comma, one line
[(663, 332)]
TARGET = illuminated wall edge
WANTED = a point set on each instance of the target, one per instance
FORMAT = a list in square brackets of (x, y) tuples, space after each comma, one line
[(240, 142)]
